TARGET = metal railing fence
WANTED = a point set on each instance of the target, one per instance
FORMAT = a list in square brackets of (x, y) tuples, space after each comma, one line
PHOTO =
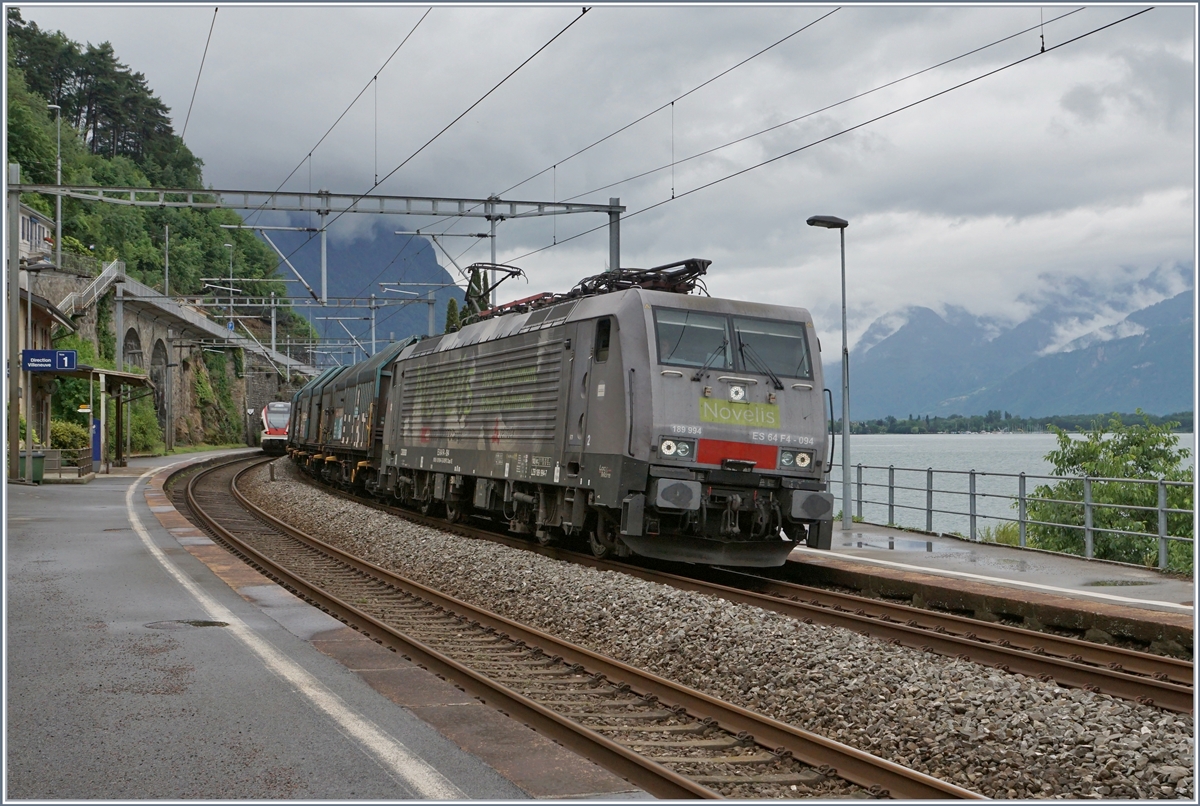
[(967, 497), (76, 462), (82, 265), (78, 301)]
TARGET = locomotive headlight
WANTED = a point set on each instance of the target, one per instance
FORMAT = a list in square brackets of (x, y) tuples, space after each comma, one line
[(677, 449), (795, 459)]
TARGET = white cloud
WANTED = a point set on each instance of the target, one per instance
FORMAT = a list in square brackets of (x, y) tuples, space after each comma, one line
[(1075, 167)]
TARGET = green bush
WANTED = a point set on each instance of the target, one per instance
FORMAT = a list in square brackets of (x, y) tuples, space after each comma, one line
[(1143, 451), (68, 435), (21, 427), (145, 433)]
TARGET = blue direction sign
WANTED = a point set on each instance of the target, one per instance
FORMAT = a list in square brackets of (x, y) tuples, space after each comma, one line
[(49, 360)]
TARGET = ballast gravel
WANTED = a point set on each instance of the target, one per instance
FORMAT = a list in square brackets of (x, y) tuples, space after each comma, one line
[(1001, 735)]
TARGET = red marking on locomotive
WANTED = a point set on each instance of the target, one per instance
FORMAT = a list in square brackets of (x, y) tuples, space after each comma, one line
[(426, 433), (496, 431), (714, 451)]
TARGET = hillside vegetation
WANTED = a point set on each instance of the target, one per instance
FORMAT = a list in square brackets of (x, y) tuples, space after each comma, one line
[(117, 133)]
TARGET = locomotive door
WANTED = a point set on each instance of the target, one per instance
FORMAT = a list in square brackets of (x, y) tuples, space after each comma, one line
[(377, 422), (579, 393)]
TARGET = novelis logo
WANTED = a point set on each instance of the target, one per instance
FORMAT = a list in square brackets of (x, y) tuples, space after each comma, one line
[(759, 415)]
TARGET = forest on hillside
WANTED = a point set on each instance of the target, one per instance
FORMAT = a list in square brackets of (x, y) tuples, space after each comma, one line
[(117, 133)]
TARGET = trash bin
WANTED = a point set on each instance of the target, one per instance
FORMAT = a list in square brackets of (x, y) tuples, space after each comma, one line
[(38, 468)]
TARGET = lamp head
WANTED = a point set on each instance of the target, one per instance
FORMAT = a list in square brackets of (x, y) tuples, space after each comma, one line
[(55, 107), (828, 222)]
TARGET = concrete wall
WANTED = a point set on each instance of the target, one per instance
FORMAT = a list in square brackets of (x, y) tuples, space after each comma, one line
[(152, 340)]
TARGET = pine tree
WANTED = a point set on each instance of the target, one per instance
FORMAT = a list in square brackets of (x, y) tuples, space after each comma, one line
[(452, 323), (477, 293)]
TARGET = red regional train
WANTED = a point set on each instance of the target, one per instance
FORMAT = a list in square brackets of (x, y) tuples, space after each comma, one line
[(275, 417)]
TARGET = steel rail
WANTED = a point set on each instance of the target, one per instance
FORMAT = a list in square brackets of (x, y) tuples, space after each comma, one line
[(932, 636), (956, 636), (846, 762), (1139, 663), (653, 777), (1142, 677)]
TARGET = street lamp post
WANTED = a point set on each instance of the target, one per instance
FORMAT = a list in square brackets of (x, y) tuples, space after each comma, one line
[(229, 246), (832, 222), (58, 181)]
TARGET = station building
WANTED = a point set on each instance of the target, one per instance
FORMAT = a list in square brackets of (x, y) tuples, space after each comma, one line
[(38, 317)]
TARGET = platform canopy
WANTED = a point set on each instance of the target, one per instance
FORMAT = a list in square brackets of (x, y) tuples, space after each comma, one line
[(112, 378)]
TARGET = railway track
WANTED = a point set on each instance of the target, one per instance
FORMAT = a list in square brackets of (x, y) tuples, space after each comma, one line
[(1143, 677), (672, 741)]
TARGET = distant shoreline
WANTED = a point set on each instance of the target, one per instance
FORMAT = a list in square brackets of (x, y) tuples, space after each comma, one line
[(1043, 433), (1001, 422)]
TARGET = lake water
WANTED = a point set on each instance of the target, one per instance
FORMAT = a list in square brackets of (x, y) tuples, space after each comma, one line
[(956, 455)]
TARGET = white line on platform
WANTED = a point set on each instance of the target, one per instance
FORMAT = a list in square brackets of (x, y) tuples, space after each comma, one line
[(392, 755), (995, 580)]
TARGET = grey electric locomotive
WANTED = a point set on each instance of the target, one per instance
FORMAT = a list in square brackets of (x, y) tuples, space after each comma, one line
[(646, 419)]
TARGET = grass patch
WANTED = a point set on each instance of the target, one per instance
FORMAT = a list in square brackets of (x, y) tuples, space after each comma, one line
[(1006, 533), (160, 449)]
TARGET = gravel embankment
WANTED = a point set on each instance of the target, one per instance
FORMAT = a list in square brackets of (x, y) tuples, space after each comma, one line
[(1003, 735)]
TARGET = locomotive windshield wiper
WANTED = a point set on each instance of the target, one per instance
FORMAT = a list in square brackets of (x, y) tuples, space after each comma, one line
[(720, 350), (757, 361)]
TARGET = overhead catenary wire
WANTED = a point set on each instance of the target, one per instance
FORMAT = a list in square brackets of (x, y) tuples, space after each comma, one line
[(769, 129), (451, 123), (454, 259), (199, 72), (652, 113), (482, 98), (671, 103), (374, 78), (308, 157), (847, 130), (674, 162)]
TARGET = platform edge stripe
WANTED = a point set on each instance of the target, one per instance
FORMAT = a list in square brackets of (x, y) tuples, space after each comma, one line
[(997, 580), (389, 752)]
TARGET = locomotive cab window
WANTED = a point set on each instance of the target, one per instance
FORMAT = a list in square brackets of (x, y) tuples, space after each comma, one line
[(603, 334), (767, 343), (693, 339)]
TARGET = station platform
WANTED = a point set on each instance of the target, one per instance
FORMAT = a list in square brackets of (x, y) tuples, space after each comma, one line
[(991, 580), (144, 661)]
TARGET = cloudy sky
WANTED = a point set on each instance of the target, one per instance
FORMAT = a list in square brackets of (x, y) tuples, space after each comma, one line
[(1074, 168)]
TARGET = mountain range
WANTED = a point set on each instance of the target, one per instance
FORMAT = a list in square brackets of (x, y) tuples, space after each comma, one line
[(356, 265), (919, 362), (912, 361)]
